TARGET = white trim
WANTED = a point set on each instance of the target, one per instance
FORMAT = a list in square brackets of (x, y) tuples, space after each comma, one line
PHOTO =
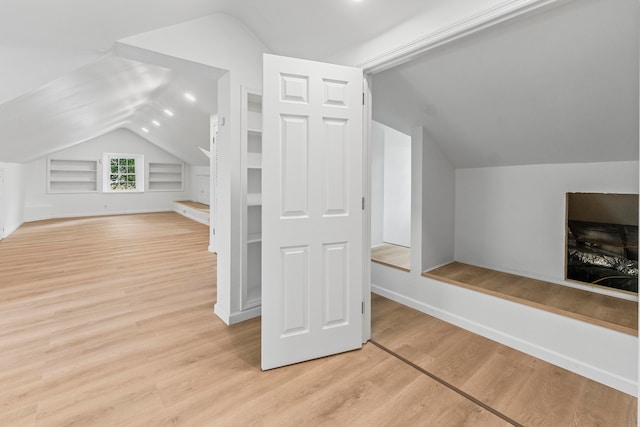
[(191, 213), (507, 10), (2, 208), (92, 214), (221, 313), (610, 379), (237, 317), (8, 232), (187, 214), (206, 152), (367, 111)]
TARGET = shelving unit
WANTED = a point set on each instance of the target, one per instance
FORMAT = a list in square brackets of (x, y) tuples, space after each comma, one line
[(166, 177), (72, 176), (251, 165)]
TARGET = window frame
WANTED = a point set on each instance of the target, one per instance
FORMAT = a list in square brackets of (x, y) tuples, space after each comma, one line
[(139, 172)]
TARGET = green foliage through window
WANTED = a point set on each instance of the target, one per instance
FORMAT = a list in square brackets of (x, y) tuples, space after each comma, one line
[(123, 174)]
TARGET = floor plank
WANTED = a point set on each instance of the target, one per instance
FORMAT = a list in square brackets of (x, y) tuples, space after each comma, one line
[(109, 321), (526, 389), (391, 255)]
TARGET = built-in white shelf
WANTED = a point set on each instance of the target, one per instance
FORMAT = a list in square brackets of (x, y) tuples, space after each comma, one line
[(254, 112), (72, 176), (254, 238), (251, 148), (254, 160), (254, 199), (166, 177)]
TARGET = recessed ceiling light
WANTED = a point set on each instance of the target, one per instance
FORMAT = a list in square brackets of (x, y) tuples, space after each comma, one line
[(155, 122), (145, 130), (168, 112), (190, 97)]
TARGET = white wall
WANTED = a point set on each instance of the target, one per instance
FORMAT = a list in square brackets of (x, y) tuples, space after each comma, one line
[(390, 186), (377, 183), (438, 204), (195, 172), (41, 205), (14, 196), (513, 218), (397, 188)]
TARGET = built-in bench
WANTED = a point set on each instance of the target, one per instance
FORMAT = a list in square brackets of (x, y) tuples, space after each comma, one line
[(603, 310), (196, 211)]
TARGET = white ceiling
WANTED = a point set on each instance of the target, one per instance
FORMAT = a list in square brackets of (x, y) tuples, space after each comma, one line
[(113, 92), (557, 86), (303, 28), (92, 24), (108, 94), (318, 29), (560, 86)]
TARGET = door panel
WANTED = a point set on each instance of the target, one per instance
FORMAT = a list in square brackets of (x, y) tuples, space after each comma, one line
[(312, 257), (1, 204)]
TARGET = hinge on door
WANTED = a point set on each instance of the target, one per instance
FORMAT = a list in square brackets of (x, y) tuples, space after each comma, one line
[(362, 98), (362, 304), (363, 203)]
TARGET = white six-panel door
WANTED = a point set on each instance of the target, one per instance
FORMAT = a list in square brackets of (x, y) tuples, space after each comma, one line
[(312, 246), (1, 204)]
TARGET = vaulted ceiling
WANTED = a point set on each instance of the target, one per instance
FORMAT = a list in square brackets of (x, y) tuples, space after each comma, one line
[(556, 86), (560, 86), (88, 91)]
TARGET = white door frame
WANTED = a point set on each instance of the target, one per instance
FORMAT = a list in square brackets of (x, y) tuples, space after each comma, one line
[(2, 204), (366, 216)]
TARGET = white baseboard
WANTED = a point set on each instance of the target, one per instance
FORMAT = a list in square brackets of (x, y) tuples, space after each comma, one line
[(222, 313), (238, 316), (92, 214), (9, 230), (612, 380), (194, 214), (241, 316)]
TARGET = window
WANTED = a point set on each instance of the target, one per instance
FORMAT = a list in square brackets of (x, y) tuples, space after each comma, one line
[(122, 173)]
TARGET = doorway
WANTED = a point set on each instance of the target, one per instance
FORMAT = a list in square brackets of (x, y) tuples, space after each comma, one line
[(390, 197), (1, 204)]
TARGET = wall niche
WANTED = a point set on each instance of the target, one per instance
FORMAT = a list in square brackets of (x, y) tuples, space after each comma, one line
[(602, 240)]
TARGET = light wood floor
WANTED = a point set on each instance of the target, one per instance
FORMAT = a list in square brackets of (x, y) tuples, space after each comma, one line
[(391, 255), (603, 310), (109, 321)]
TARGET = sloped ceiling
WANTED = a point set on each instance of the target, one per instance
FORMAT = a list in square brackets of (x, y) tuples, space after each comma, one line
[(92, 24), (113, 92), (313, 29), (303, 28), (103, 96), (560, 86)]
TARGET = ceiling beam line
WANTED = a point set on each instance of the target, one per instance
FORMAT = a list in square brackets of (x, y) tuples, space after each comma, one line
[(487, 18)]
